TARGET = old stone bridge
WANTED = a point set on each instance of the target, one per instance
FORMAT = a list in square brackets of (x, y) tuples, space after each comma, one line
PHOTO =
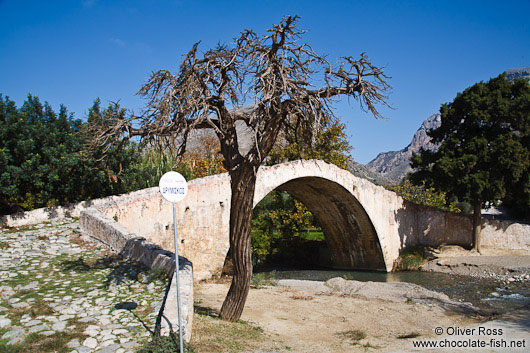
[(365, 225)]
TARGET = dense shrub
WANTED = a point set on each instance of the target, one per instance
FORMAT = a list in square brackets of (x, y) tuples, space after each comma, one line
[(43, 162), (423, 195), (410, 258)]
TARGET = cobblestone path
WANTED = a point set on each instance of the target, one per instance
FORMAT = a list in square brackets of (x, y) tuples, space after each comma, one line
[(59, 293)]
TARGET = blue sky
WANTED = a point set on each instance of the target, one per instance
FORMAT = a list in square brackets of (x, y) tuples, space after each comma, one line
[(71, 52)]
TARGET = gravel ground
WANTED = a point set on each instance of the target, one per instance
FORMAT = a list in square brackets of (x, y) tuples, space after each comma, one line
[(59, 290), (505, 266)]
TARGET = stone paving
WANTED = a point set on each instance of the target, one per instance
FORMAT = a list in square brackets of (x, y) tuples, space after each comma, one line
[(59, 291)]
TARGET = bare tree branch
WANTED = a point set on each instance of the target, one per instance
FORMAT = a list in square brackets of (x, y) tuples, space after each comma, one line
[(265, 81), (270, 76)]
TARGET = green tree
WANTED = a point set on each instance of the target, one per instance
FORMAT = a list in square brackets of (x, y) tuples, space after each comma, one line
[(329, 144), (35, 155), (12, 132), (111, 169), (517, 199), (481, 151), (43, 161)]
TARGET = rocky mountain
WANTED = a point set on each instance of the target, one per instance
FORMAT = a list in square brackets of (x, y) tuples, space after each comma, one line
[(394, 165), (362, 171), (519, 72)]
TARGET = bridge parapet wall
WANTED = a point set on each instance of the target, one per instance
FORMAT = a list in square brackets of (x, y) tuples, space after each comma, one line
[(202, 219), (130, 246), (203, 216)]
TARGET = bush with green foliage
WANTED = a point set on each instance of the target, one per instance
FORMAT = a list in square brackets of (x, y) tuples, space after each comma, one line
[(43, 161), (283, 231), (423, 195), (410, 259)]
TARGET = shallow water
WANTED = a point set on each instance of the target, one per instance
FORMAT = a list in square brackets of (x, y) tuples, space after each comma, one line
[(486, 294)]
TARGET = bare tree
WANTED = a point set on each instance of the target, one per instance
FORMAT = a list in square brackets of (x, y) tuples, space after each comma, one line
[(263, 81)]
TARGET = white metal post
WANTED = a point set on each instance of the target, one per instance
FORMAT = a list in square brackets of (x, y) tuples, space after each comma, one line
[(175, 238)]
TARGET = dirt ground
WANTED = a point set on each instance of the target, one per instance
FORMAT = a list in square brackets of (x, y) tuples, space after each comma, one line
[(304, 321)]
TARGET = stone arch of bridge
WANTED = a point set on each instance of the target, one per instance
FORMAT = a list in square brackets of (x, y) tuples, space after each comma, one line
[(349, 232)]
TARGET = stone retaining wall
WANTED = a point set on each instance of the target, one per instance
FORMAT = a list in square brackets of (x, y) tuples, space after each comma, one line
[(505, 235), (128, 245), (430, 226)]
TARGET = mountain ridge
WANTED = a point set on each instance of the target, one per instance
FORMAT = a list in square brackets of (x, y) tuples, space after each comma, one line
[(394, 165)]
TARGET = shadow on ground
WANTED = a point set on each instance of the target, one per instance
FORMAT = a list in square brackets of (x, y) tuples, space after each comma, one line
[(203, 310), (120, 269)]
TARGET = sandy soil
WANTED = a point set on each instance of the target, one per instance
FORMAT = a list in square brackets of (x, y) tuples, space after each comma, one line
[(311, 321)]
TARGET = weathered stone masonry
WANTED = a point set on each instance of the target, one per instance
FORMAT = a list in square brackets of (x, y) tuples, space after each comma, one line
[(365, 225), (130, 246)]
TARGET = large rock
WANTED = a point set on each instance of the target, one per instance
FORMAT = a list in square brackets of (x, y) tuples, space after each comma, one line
[(5, 322), (390, 291), (401, 292)]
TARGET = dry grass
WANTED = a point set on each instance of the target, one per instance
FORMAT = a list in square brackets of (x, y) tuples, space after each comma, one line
[(354, 335), (302, 297), (9, 230), (221, 279), (76, 239), (356, 338), (39, 307), (210, 334), (410, 335)]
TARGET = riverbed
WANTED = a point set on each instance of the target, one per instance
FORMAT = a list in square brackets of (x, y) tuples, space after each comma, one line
[(492, 296), (295, 320), (371, 311)]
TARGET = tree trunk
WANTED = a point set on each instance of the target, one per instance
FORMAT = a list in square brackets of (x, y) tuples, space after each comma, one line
[(243, 183), (477, 226)]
